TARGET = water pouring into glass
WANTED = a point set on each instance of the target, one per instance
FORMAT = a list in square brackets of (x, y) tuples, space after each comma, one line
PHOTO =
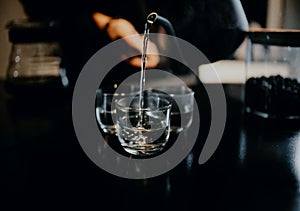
[(144, 120)]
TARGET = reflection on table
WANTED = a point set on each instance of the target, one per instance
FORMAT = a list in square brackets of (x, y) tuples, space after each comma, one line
[(255, 167)]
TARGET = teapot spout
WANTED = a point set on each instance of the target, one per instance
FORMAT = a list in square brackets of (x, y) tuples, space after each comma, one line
[(151, 18), (154, 17)]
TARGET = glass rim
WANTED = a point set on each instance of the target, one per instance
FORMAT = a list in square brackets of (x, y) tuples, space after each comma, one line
[(116, 94), (128, 108), (119, 94), (170, 91)]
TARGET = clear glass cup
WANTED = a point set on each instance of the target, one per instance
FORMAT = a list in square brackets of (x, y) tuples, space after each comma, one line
[(106, 111), (143, 130), (182, 99), (273, 74)]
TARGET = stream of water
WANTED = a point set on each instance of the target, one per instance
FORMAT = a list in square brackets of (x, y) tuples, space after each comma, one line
[(150, 20)]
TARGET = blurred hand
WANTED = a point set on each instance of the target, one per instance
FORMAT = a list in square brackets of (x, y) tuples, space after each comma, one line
[(121, 28)]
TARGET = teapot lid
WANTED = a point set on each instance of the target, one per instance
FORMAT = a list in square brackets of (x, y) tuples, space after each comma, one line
[(27, 31), (279, 37)]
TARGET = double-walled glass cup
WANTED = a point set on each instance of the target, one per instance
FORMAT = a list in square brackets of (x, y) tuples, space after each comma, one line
[(143, 130), (182, 99), (106, 111)]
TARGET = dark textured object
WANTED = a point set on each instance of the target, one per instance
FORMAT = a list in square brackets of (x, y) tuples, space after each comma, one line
[(274, 96)]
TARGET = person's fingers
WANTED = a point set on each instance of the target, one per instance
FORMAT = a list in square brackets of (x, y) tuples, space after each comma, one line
[(152, 61), (101, 20), (121, 28), (136, 43)]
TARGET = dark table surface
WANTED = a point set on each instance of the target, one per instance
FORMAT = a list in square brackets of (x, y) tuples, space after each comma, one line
[(255, 167)]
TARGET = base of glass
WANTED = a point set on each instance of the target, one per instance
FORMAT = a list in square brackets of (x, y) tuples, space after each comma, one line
[(109, 129), (143, 150)]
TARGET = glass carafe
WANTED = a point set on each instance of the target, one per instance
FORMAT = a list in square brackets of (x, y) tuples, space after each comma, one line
[(273, 73), (35, 58)]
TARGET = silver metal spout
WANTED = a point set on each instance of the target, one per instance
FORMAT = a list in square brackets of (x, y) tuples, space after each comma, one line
[(151, 19)]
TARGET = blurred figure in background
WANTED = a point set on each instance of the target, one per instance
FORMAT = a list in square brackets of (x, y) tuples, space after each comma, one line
[(216, 27)]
